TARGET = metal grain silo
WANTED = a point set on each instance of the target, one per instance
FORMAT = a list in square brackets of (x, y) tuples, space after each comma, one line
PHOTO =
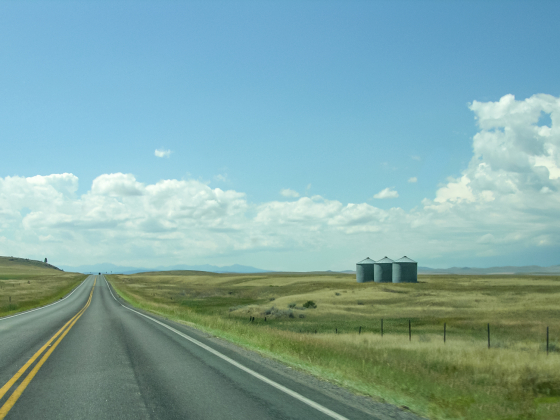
[(383, 270), (364, 270), (405, 270)]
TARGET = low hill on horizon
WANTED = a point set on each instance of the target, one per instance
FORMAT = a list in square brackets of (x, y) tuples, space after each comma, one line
[(510, 269), (117, 269), (14, 263)]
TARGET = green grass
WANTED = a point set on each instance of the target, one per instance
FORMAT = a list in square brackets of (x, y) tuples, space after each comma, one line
[(515, 379), (27, 284)]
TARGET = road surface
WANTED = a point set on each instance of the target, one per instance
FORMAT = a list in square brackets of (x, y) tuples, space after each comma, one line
[(90, 356)]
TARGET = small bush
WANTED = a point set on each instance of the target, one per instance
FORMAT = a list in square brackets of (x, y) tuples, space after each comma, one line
[(292, 305), (309, 304), (301, 315)]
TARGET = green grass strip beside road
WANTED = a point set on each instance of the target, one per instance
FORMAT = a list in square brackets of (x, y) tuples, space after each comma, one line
[(31, 292)]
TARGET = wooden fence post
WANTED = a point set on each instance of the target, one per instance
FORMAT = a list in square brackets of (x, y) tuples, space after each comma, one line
[(547, 341), (409, 331)]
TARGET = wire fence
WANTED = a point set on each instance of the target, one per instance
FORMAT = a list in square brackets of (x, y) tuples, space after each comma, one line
[(492, 335)]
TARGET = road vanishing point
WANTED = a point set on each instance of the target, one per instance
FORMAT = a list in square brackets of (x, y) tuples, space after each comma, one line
[(92, 356)]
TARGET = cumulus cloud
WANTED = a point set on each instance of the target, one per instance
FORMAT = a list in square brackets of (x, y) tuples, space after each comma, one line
[(505, 200), (286, 192), (388, 192), (413, 179), (162, 153), (116, 185), (513, 156)]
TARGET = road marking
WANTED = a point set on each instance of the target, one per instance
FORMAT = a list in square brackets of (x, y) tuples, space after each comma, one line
[(19, 390), (46, 306), (276, 385)]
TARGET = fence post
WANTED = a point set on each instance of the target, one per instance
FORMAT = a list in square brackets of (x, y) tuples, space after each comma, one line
[(444, 331), (488, 335), (360, 331), (409, 331), (381, 327), (547, 341), (336, 330)]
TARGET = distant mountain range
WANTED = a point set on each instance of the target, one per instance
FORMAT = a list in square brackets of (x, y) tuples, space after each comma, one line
[(236, 268), (117, 269), (527, 269)]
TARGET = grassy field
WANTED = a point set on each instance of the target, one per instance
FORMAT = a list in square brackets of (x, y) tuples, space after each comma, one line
[(462, 378), (26, 284)]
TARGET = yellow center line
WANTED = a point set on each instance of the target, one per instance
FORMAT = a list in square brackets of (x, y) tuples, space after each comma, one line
[(17, 393)]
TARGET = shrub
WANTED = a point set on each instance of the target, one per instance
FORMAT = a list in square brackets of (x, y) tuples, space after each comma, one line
[(292, 305), (309, 304)]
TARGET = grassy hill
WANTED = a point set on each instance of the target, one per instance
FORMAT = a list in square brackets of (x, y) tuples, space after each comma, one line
[(15, 264), (338, 336), (26, 284)]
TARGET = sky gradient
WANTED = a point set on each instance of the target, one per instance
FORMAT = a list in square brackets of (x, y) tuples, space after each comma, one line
[(283, 135)]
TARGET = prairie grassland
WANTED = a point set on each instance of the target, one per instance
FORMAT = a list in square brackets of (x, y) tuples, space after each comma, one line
[(514, 379), (27, 284)]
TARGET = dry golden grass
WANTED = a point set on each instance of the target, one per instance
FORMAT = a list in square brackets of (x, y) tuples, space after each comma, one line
[(515, 379), (26, 284)]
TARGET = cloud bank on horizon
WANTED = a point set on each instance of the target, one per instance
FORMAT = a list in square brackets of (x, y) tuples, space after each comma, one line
[(505, 201)]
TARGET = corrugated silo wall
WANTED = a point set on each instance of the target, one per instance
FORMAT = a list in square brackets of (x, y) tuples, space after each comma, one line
[(383, 273), (364, 273), (405, 272)]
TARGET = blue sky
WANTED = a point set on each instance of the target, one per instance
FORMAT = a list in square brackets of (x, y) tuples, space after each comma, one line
[(338, 100)]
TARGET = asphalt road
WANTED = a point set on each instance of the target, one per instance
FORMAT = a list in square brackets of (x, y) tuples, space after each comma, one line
[(89, 356)]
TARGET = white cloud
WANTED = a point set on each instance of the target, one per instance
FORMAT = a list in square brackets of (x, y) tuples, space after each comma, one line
[(413, 179), (286, 192), (388, 192), (117, 185), (455, 191), (507, 195), (162, 153)]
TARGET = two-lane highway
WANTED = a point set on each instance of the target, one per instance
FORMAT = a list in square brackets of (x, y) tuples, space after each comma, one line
[(91, 357)]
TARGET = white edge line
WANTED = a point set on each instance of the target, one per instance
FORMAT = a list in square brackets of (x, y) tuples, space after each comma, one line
[(276, 385), (50, 304)]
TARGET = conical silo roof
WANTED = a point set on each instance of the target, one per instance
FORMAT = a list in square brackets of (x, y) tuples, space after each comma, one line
[(385, 260), (368, 260), (405, 259)]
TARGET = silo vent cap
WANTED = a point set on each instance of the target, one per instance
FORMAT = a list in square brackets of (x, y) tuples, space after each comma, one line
[(368, 260), (385, 260), (405, 259)]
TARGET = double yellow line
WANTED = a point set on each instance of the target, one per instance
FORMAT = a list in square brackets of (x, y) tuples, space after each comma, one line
[(19, 390)]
